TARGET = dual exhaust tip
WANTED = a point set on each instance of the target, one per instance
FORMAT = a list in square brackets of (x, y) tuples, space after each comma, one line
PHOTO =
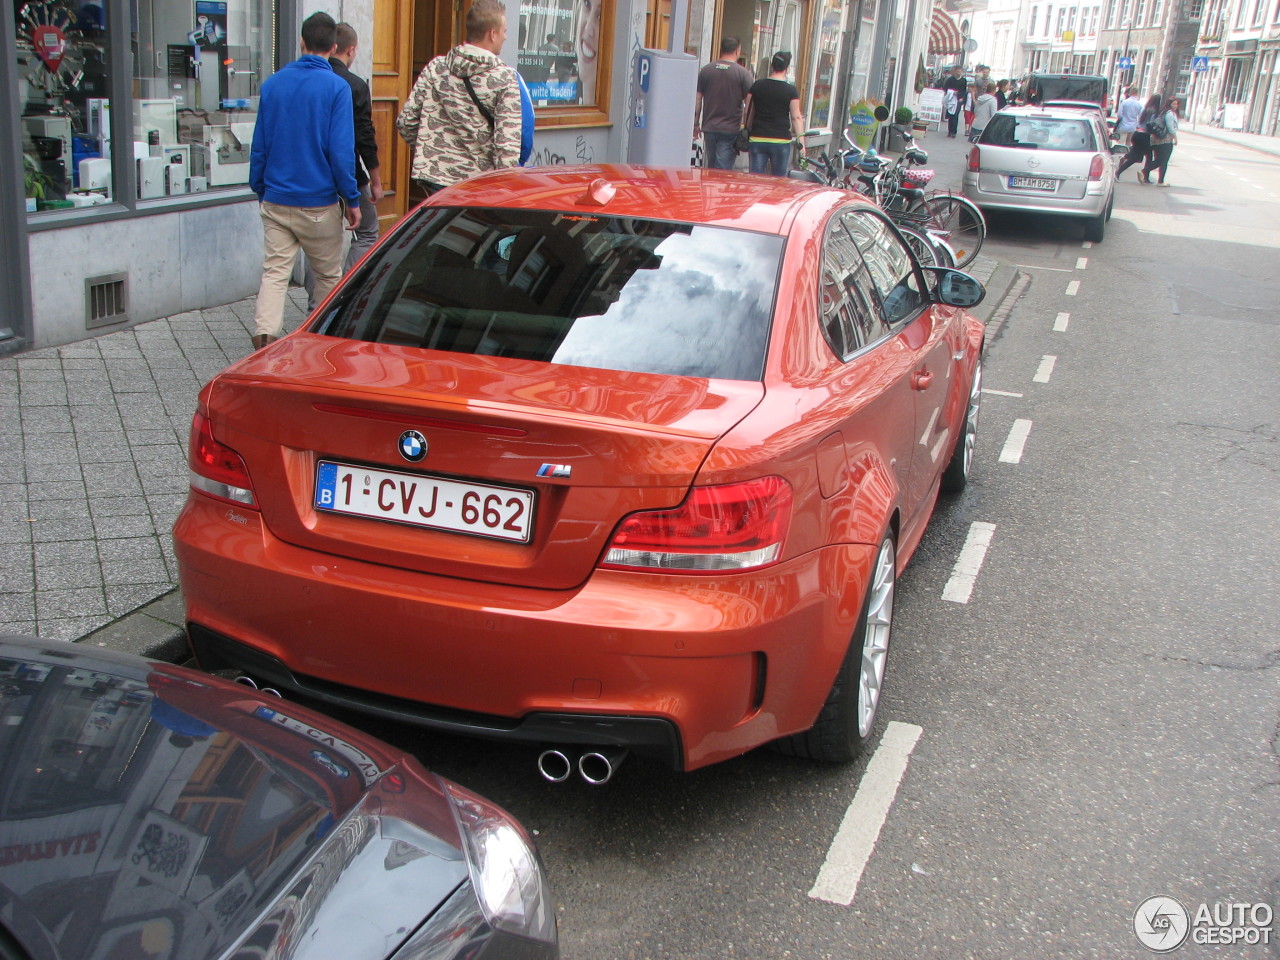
[(596, 766)]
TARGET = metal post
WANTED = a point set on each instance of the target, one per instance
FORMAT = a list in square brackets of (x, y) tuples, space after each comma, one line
[(679, 26)]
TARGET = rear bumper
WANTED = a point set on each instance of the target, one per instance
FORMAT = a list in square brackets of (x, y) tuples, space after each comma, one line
[(693, 670), (1092, 204)]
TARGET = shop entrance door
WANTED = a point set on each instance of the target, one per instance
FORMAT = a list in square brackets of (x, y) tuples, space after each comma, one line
[(407, 34)]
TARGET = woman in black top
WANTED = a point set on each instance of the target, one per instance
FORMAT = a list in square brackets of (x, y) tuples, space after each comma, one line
[(1140, 142), (773, 119)]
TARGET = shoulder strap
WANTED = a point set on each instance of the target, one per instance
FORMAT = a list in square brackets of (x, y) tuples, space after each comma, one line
[(476, 100)]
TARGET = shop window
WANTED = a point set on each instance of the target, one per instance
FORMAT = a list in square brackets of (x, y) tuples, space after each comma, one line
[(63, 97), (564, 58), (198, 73), (825, 67)]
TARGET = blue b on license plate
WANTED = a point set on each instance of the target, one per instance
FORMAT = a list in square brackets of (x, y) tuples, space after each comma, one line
[(503, 513)]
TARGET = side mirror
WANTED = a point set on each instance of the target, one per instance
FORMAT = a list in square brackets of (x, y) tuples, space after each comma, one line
[(956, 288), (1118, 148)]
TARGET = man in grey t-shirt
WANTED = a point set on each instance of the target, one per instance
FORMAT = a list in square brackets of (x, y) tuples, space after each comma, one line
[(717, 114)]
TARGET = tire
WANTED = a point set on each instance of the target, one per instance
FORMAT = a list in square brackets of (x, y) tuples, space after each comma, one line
[(920, 245), (962, 222), (1095, 228), (848, 718), (956, 476)]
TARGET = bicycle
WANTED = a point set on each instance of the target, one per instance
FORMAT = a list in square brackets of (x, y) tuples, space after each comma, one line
[(929, 245)]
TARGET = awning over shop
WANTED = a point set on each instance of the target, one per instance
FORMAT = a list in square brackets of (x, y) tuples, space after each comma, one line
[(944, 35)]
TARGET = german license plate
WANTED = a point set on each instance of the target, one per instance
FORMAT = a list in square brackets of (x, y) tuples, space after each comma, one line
[(502, 513), (1033, 183)]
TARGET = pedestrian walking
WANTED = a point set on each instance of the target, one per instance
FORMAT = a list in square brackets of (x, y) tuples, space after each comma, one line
[(719, 105), (774, 119), (368, 176), (302, 167), (1127, 115), (956, 93), (984, 108), (1140, 139), (464, 114), (1002, 94), (1164, 134)]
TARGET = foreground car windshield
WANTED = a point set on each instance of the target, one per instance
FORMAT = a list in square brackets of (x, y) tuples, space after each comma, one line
[(619, 293), (1039, 133)]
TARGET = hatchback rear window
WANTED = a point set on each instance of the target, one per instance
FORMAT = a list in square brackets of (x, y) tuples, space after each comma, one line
[(1039, 133), (619, 293)]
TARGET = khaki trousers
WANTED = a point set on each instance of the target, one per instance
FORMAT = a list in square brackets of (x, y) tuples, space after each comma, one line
[(315, 230)]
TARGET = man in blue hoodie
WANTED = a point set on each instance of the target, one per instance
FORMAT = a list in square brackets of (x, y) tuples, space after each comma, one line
[(302, 167)]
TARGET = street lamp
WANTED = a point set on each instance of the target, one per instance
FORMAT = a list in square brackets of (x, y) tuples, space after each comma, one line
[(1128, 32)]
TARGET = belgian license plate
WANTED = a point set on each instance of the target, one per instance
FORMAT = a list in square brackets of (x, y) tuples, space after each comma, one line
[(502, 513), (1033, 183)]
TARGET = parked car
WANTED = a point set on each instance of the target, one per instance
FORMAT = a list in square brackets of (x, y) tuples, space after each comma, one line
[(1045, 160), (598, 457), (1039, 88), (151, 812)]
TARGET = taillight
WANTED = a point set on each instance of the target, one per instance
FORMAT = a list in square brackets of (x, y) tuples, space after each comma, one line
[(974, 157), (216, 469), (734, 526), (1096, 166)]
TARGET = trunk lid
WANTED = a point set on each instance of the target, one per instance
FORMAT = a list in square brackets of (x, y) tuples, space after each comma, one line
[(606, 442)]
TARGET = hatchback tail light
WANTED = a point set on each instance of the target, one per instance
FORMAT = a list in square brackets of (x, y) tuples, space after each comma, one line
[(735, 526), (216, 469), (1096, 166), (975, 156)]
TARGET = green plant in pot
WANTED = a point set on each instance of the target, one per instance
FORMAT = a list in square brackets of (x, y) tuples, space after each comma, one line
[(903, 116)]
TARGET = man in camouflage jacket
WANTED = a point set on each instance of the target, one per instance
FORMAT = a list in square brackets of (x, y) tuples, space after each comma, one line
[(450, 135)]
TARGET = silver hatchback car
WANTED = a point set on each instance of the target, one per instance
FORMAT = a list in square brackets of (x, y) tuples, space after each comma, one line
[(1053, 160)]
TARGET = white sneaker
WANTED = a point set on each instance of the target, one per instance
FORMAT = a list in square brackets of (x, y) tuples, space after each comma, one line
[(1162, 184)]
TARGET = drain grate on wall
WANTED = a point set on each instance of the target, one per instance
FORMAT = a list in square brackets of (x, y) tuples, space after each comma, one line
[(106, 300)]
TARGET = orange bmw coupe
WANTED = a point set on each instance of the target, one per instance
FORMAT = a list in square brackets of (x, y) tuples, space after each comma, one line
[(600, 458)]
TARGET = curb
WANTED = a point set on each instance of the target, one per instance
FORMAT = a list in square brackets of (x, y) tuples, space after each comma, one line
[(155, 630), (998, 303)]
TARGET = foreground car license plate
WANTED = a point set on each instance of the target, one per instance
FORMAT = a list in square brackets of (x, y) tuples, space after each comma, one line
[(413, 498), (1033, 183)]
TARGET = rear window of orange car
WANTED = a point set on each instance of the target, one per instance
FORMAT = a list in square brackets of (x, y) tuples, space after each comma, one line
[(618, 293), (1039, 133)]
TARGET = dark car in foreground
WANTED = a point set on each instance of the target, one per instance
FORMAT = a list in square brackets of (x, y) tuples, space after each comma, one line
[(600, 458), (152, 812)]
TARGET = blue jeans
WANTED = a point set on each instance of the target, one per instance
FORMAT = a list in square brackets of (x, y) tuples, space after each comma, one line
[(720, 152), (774, 158)]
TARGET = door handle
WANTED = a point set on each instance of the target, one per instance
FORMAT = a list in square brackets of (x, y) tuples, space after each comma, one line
[(921, 379)]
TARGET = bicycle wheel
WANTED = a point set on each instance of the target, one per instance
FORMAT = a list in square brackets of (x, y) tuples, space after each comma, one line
[(961, 221), (921, 245)]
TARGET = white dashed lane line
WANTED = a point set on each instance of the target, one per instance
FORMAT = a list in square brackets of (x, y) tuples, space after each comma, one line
[(1087, 245), (1073, 288), (1082, 262), (1045, 370), (855, 840), (969, 564), (1000, 393), (1060, 324), (1017, 439)]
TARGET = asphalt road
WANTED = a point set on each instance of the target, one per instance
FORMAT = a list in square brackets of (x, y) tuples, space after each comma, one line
[(1098, 724)]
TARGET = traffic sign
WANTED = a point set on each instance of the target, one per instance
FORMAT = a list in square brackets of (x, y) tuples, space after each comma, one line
[(1199, 64), (1124, 63)]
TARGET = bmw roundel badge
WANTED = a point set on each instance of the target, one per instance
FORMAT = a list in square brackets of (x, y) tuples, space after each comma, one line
[(413, 446)]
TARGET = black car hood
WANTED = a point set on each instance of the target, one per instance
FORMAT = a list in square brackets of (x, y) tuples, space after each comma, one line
[(148, 811)]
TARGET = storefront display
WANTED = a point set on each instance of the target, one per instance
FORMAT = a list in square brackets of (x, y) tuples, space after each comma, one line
[(562, 44), (198, 67)]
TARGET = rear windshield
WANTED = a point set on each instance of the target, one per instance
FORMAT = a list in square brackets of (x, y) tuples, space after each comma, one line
[(1068, 88), (618, 293), (1039, 133)]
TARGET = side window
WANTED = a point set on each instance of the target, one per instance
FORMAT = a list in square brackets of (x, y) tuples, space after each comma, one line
[(895, 282), (849, 321)]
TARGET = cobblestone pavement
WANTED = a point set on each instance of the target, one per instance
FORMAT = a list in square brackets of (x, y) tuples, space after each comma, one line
[(93, 465)]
